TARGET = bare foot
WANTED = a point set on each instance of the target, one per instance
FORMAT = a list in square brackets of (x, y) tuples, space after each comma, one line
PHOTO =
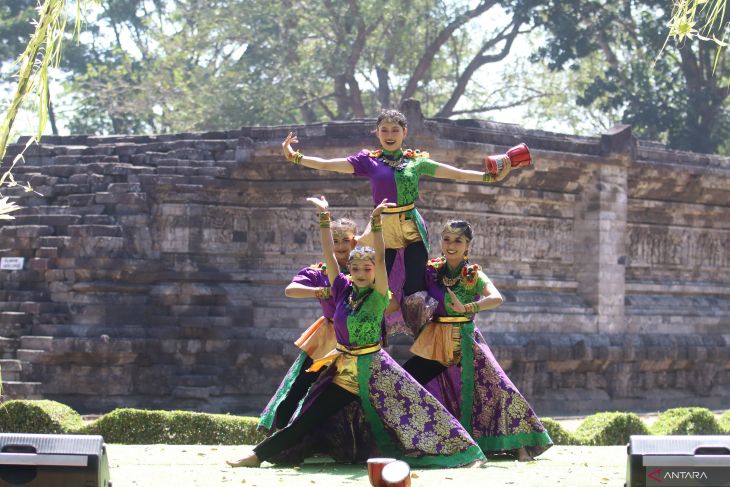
[(249, 461), (523, 456), (476, 464)]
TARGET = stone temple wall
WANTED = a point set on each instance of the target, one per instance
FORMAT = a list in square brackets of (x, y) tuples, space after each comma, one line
[(155, 265)]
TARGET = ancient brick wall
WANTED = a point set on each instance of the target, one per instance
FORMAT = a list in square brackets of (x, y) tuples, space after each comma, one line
[(155, 265)]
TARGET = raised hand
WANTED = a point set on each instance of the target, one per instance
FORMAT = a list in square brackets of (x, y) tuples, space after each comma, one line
[(319, 202), (286, 145), (455, 304), (383, 205)]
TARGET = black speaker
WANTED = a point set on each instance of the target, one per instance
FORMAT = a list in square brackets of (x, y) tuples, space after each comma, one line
[(678, 461), (53, 461)]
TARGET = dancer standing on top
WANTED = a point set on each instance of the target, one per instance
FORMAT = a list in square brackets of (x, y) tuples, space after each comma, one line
[(394, 174)]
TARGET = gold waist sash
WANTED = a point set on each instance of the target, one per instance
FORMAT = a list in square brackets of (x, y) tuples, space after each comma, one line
[(399, 209), (339, 350), (363, 350), (452, 319)]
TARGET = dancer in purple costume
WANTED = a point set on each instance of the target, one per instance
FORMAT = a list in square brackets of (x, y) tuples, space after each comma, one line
[(405, 420), (451, 349), (394, 174), (317, 340)]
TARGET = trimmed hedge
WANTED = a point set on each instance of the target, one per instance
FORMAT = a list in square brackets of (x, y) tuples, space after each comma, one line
[(49, 417), (725, 422), (604, 429), (558, 434), (686, 421), (144, 427)]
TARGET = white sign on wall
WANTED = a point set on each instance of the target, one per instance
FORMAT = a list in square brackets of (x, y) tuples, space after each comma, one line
[(12, 263)]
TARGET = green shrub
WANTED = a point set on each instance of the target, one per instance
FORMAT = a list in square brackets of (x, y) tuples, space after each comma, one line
[(603, 429), (558, 434), (725, 422), (686, 421), (143, 427), (43, 417)]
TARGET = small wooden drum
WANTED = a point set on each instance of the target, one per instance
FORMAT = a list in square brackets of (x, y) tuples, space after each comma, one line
[(375, 468), (396, 474)]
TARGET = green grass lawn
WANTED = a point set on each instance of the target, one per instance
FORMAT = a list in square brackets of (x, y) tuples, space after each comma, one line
[(203, 466)]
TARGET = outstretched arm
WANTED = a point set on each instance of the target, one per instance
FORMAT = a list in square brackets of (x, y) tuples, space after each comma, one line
[(444, 171), (296, 290), (325, 234), (336, 165)]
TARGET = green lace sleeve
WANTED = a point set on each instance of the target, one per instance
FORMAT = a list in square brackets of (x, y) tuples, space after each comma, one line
[(426, 167), (482, 282)]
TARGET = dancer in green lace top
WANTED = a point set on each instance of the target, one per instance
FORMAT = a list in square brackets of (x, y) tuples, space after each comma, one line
[(394, 174)]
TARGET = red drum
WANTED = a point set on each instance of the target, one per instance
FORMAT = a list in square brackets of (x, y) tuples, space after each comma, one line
[(396, 474), (375, 469), (517, 156)]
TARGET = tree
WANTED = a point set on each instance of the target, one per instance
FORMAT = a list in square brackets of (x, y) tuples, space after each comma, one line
[(42, 52), (680, 98), (234, 62)]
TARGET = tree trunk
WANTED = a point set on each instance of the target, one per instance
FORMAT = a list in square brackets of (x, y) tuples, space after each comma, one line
[(341, 97), (52, 117), (383, 87), (355, 98)]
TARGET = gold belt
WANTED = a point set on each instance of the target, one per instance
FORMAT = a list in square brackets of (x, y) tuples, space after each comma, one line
[(452, 319), (363, 350), (399, 209)]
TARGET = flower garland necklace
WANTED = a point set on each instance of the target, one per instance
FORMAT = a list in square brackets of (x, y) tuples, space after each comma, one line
[(355, 299), (397, 159)]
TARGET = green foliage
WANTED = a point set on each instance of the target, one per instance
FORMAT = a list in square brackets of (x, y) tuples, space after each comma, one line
[(675, 93), (725, 422), (27, 416), (610, 428), (558, 434), (686, 421), (144, 427), (251, 62)]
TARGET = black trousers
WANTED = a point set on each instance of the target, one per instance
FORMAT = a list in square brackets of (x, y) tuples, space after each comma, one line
[(298, 389), (415, 257), (423, 369), (332, 399)]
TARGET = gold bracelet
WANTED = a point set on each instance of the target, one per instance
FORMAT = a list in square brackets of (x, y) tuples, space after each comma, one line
[(295, 157), (376, 224), (323, 292), (472, 308), (324, 219), (488, 178)]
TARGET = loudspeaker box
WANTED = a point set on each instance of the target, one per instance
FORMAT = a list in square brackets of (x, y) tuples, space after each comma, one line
[(31, 460), (678, 461)]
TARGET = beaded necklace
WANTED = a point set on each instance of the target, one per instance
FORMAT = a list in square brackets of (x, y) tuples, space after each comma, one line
[(395, 159), (454, 280), (355, 299)]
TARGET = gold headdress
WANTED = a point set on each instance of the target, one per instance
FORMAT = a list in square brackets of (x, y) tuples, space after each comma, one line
[(458, 227), (362, 253)]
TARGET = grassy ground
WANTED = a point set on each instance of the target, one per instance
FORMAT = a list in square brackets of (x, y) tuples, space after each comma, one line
[(203, 466)]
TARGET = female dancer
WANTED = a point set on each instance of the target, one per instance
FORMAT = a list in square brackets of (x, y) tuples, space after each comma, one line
[(403, 417), (394, 174), (474, 388), (319, 339)]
